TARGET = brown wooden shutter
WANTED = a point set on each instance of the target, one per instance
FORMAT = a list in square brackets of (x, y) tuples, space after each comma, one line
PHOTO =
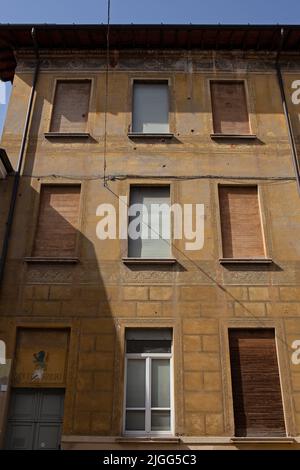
[(71, 106), (240, 222), (229, 105), (257, 400), (57, 222)]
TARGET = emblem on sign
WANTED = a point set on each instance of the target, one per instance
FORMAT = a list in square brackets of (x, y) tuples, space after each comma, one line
[(39, 359)]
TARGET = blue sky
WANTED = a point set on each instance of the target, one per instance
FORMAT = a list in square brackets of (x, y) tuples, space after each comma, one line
[(153, 11), (145, 11)]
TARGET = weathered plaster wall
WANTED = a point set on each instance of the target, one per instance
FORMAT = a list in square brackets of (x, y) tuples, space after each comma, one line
[(198, 297)]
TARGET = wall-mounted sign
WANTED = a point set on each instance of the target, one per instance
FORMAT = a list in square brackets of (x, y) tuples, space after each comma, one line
[(41, 358)]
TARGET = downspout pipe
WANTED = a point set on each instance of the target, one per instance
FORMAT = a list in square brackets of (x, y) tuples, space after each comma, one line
[(296, 162), (18, 171)]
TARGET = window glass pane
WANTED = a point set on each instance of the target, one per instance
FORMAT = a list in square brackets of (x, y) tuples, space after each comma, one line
[(135, 391), (149, 231), (160, 421), (151, 108), (160, 383), (135, 421), (148, 346)]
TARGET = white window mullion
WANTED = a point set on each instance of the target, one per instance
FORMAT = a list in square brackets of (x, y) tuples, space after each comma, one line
[(172, 392), (150, 392), (125, 397), (148, 396)]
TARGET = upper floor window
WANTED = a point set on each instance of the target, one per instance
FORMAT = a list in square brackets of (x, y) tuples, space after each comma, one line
[(150, 107), (71, 106), (149, 233), (57, 222), (241, 227), (148, 400), (229, 107)]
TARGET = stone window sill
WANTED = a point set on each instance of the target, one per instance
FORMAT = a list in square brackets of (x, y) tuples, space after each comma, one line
[(67, 135), (233, 136), (141, 135), (149, 260), (263, 440), (50, 260), (168, 439), (245, 261), (186, 440), (149, 439)]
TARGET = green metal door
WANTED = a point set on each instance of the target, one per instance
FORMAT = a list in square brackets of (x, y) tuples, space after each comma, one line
[(35, 419)]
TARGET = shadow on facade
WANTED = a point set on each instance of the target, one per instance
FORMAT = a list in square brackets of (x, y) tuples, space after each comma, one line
[(62, 294)]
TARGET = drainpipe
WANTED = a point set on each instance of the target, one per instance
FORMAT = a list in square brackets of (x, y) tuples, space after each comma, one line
[(296, 162), (20, 162)]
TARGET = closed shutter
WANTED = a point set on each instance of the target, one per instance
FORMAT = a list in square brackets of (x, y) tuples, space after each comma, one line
[(240, 222), (257, 401), (230, 115), (154, 241), (58, 221), (151, 108), (71, 106)]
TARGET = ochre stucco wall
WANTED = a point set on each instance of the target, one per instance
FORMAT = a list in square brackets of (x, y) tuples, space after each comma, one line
[(199, 298)]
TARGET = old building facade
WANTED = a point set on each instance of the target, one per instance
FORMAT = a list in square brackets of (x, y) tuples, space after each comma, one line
[(117, 344)]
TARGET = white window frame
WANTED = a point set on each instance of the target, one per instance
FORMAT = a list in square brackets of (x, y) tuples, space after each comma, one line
[(147, 432)]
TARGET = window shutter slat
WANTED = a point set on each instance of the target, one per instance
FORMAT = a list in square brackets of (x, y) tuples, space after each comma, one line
[(240, 222), (71, 106), (57, 222), (258, 409), (230, 114)]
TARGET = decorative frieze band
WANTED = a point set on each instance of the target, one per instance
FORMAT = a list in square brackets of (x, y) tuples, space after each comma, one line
[(154, 61)]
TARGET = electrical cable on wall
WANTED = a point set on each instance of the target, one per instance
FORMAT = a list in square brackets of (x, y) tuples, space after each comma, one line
[(208, 275), (120, 177), (117, 177)]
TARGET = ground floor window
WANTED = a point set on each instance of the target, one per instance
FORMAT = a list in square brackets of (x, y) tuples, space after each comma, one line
[(256, 389), (148, 379)]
